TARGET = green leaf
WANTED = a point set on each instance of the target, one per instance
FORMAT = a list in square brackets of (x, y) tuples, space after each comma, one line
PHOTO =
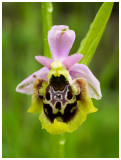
[(90, 42), (47, 9)]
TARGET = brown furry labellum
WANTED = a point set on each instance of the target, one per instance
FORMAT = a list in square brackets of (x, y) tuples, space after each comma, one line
[(59, 99)]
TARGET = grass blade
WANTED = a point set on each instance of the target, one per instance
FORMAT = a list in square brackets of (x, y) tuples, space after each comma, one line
[(92, 39)]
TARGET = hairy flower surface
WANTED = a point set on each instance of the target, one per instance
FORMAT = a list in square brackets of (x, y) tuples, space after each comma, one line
[(62, 89)]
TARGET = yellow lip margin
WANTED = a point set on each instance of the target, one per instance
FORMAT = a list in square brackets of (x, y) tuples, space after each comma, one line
[(84, 107)]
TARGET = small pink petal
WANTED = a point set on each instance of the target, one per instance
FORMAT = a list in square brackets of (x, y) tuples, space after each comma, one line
[(26, 86), (71, 60), (93, 85), (44, 60), (60, 40)]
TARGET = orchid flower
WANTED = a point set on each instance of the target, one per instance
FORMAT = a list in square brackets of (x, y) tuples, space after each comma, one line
[(62, 89)]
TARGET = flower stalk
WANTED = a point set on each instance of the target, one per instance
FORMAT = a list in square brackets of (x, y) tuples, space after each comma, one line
[(62, 141), (47, 9)]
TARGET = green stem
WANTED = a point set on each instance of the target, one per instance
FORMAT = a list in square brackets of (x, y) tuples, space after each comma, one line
[(61, 143), (47, 9), (57, 146)]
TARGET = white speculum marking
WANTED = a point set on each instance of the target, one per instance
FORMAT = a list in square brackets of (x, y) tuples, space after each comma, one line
[(58, 97)]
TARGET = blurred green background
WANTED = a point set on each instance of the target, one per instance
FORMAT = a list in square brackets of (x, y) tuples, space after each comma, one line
[(22, 40)]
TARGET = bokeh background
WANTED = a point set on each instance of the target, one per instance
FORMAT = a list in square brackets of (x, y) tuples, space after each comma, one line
[(22, 40)]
